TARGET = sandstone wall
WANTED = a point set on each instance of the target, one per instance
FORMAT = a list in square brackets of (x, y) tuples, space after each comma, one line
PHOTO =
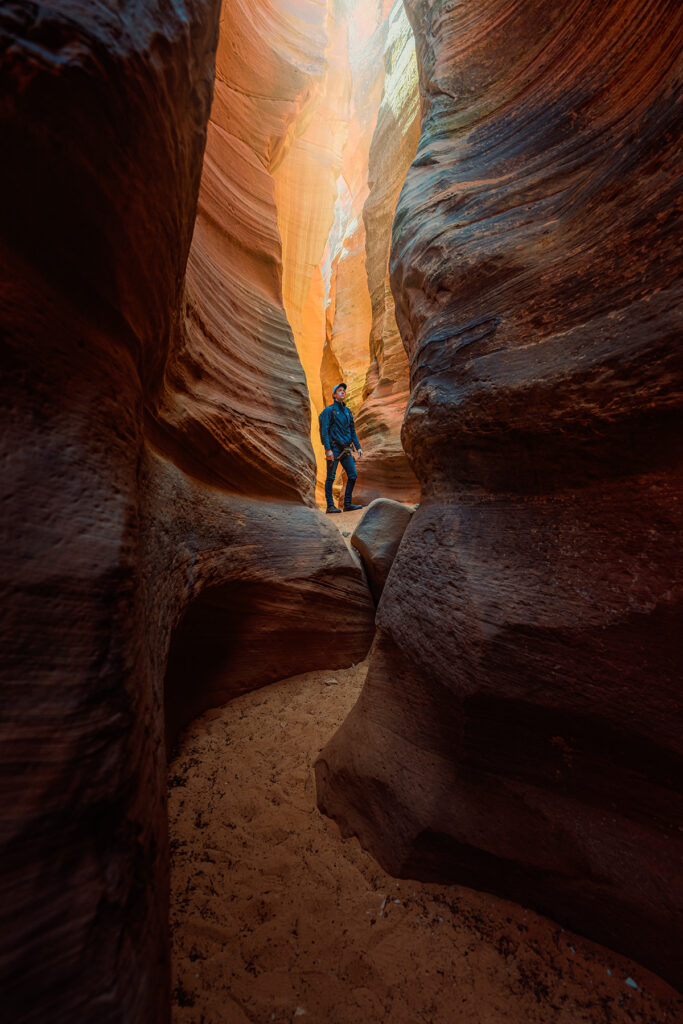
[(235, 393), (305, 178), (281, 253), (386, 470), (145, 420), (520, 728), (102, 119), (363, 346)]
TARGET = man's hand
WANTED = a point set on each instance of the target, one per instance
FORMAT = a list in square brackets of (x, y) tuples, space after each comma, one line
[(359, 453), (328, 455)]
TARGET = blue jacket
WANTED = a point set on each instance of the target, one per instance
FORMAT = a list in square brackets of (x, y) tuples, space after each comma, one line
[(337, 429)]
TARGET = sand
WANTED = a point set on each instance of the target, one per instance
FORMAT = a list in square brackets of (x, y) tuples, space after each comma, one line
[(276, 918)]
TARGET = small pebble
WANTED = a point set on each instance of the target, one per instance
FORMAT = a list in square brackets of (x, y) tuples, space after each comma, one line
[(632, 984), (346, 533), (330, 682)]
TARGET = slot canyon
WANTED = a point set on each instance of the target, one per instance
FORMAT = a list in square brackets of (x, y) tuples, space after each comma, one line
[(421, 762)]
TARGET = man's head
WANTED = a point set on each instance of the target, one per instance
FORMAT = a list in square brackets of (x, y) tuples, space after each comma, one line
[(340, 392)]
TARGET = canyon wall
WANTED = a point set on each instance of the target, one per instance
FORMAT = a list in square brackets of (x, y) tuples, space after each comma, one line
[(520, 727), (386, 470), (157, 464), (235, 393), (281, 254), (362, 343), (102, 117), (346, 87)]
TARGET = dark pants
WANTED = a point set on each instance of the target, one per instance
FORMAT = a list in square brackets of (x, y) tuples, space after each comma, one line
[(349, 467)]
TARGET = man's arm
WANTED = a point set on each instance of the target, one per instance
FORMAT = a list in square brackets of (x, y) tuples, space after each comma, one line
[(354, 435), (325, 429)]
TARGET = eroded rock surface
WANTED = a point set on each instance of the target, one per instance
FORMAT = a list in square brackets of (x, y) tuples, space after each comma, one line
[(362, 343), (264, 588), (377, 537), (234, 408), (102, 116), (131, 407), (520, 727), (386, 471)]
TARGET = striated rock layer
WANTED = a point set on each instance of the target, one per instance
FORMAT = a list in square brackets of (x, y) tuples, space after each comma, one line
[(235, 393), (277, 306), (363, 346), (144, 424), (386, 470), (520, 727), (102, 120), (273, 589), (305, 173)]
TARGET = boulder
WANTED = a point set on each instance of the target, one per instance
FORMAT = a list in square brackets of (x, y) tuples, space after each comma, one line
[(377, 538)]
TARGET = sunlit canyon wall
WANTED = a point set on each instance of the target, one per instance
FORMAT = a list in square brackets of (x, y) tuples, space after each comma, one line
[(520, 727), (160, 551), (313, 126)]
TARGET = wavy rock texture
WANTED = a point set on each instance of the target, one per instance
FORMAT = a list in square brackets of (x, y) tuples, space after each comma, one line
[(273, 591), (279, 250), (386, 470), (345, 80), (235, 393), (520, 728), (363, 346), (102, 119), (131, 406), (305, 177)]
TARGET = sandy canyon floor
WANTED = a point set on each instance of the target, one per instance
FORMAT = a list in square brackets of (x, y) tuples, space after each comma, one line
[(276, 918)]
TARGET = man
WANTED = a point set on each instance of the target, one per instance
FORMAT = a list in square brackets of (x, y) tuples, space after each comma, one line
[(338, 433)]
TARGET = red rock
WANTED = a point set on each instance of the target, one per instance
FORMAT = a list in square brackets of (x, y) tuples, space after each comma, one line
[(520, 728), (386, 471), (131, 407), (234, 409), (273, 592)]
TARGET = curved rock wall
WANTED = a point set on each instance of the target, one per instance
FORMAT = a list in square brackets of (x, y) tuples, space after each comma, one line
[(137, 411), (305, 178), (255, 591), (363, 346), (235, 394), (102, 119), (277, 300), (386, 470), (520, 728)]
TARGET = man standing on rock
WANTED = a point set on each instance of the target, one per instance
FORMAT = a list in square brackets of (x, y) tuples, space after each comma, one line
[(338, 433)]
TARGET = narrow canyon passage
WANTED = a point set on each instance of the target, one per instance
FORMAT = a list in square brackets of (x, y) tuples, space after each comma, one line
[(275, 917), (314, 123), (211, 212)]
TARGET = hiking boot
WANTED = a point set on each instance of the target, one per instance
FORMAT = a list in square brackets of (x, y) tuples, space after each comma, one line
[(351, 508), (332, 509)]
